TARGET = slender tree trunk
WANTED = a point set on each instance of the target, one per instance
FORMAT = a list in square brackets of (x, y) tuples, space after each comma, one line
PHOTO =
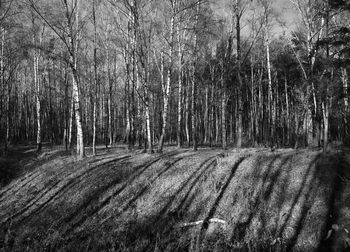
[(166, 95), (206, 115), (325, 111), (287, 108), (66, 106), (212, 106), (148, 119), (110, 119), (193, 107), (94, 118), (95, 96), (3, 86), (187, 109), (344, 77), (37, 99), (194, 88), (223, 108), (238, 15), (179, 109), (70, 123), (253, 99), (271, 111), (165, 112), (326, 103)]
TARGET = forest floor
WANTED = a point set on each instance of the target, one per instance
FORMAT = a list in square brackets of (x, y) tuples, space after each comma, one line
[(209, 200)]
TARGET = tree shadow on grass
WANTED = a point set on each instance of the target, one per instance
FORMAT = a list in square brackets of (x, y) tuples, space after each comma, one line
[(271, 197), (338, 239), (162, 223), (240, 229), (297, 229), (34, 205), (221, 194), (10, 165), (270, 180), (31, 172), (42, 214), (92, 205)]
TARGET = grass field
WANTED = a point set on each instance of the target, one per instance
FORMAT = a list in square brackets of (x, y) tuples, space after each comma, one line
[(209, 200)]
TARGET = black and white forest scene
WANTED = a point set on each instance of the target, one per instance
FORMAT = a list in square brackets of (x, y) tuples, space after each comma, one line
[(175, 125)]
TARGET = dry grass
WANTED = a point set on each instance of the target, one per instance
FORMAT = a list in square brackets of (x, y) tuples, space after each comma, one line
[(210, 200)]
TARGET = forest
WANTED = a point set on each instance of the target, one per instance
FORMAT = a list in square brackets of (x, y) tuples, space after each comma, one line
[(149, 72), (174, 125)]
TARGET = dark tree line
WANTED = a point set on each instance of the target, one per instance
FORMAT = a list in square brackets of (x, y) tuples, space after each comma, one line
[(149, 72)]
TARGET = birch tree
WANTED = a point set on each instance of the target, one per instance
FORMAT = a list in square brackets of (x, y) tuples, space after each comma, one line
[(69, 15)]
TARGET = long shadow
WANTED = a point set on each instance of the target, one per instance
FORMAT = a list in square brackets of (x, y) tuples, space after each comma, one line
[(298, 195), (307, 204), (27, 180), (267, 190), (9, 186), (185, 203), (70, 184), (213, 209), (92, 209), (241, 228), (161, 223), (203, 168), (277, 206), (330, 244), (73, 181)]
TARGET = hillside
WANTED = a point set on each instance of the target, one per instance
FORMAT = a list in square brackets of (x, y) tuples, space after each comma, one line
[(215, 200)]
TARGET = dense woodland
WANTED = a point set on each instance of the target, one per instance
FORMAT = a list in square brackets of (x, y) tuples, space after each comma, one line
[(149, 72)]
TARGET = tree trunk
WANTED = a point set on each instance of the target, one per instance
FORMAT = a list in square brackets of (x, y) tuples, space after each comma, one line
[(287, 108), (179, 108), (238, 15), (94, 118), (37, 100), (223, 108), (194, 91), (165, 112), (206, 115), (3, 86), (271, 112), (187, 111), (325, 113), (166, 95), (193, 107), (73, 65)]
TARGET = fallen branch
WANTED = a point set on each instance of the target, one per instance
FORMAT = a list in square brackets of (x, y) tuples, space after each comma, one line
[(195, 223)]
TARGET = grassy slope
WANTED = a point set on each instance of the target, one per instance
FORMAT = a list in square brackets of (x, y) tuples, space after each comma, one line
[(119, 200)]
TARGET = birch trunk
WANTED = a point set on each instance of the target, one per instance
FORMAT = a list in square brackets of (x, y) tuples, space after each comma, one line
[(70, 123), (344, 77), (179, 108), (287, 107), (95, 96), (223, 108), (194, 91), (37, 100), (4, 88), (193, 108), (271, 112), (325, 110), (206, 115), (166, 95), (238, 14), (73, 65), (187, 109)]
